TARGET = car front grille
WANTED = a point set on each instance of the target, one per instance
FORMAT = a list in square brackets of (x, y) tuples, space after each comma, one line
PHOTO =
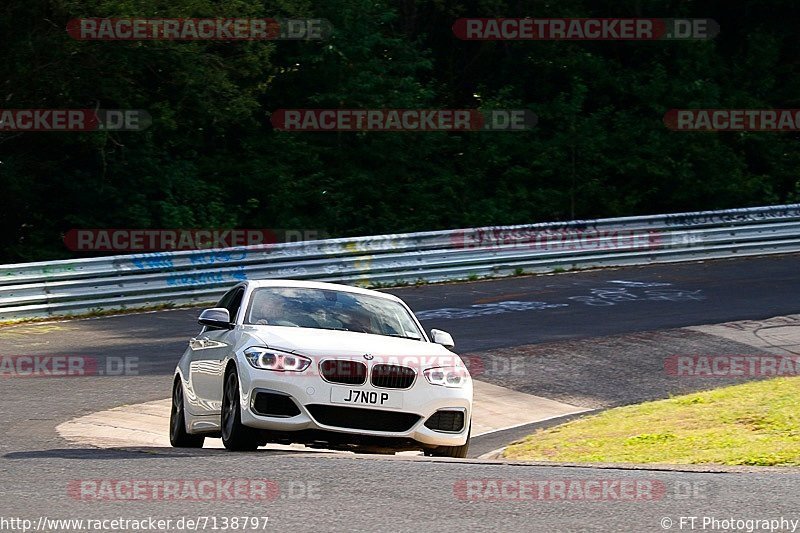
[(344, 371), (449, 421), (393, 376), (366, 419), (274, 404)]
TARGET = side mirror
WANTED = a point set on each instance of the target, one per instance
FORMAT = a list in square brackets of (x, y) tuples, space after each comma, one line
[(216, 317), (443, 338)]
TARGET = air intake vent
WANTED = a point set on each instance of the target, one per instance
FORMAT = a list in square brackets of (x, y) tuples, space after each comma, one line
[(447, 421), (368, 419), (344, 371), (393, 376), (274, 404)]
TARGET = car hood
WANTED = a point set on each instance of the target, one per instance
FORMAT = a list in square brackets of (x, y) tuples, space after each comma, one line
[(331, 343)]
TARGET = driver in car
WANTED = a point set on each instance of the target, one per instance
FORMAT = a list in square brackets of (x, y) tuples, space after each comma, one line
[(276, 310), (360, 322), (269, 309)]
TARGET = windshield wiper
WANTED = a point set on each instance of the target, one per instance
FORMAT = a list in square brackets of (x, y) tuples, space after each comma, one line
[(402, 336), (396, 335)]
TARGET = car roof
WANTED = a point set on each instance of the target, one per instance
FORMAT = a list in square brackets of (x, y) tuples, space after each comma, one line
[(260, 283)]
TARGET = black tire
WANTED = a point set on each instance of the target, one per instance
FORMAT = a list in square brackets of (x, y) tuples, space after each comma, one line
[(459, 452), (235, 436), (178, 436)]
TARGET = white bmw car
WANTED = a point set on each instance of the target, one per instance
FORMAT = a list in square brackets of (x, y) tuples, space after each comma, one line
[(321, 364)]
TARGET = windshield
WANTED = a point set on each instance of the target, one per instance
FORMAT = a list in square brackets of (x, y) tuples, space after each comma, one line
[(330, 309)]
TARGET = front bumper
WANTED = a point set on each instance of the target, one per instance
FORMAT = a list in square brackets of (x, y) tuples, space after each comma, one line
[(309, 391)]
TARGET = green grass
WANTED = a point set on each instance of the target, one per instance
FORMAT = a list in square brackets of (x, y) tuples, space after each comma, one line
[(756, 423)]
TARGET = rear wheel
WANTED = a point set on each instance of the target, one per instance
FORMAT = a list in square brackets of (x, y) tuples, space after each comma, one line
[(178, 436), (451, 451), (235, 436)]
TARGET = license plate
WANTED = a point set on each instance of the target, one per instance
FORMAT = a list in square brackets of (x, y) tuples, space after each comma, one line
[(367, 397)]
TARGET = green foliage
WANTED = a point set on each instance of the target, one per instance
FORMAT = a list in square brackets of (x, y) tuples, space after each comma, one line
[(212, 159)]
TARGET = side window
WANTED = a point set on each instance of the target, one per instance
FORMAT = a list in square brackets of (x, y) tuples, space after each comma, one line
[(225, 301), (235, 303)]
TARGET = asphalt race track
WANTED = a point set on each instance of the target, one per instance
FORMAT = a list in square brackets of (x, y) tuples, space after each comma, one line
[(597, 321)]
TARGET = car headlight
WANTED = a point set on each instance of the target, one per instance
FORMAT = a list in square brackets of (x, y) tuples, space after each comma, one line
[(266, 359), (453, 377)]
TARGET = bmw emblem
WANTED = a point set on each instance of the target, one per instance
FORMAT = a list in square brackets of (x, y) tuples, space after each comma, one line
[(369, 356)]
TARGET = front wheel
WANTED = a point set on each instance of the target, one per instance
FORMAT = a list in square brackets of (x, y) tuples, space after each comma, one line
[(459, 452), (235, 436), (178, 437)]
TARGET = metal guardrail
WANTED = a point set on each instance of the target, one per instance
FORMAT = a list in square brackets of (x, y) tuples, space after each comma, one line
[(58, 288)]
